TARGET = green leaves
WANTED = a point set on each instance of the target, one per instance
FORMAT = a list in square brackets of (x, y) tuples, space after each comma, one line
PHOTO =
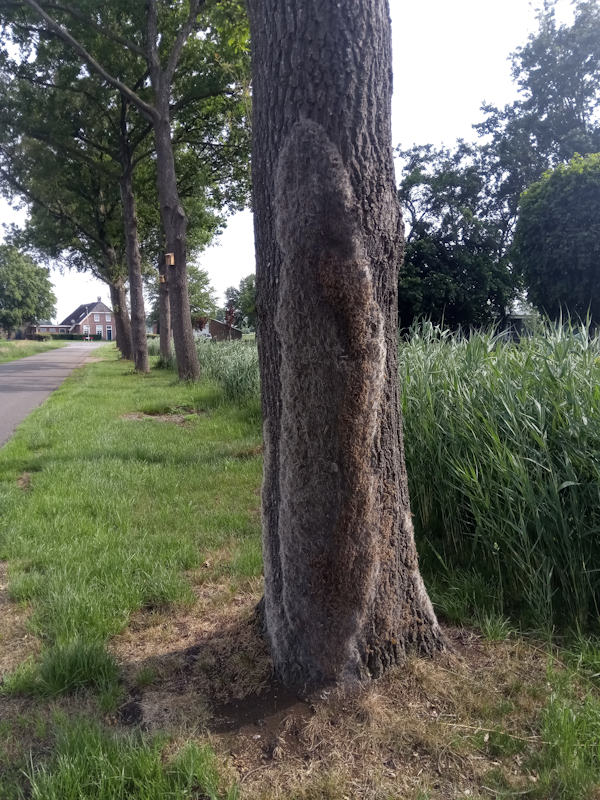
[(455, 268), (557, 239), (25, 290)]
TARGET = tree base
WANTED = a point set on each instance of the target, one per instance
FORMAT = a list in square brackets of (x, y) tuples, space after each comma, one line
[(424, 640)]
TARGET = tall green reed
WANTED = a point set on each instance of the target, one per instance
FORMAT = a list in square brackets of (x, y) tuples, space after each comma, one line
[(232, 365), (503, 456), (502, 443)]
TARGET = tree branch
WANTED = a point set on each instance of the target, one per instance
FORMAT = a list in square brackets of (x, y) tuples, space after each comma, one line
[(152, 40), (196, 96), (58, 214), (31, 79), (182, 36), (98, 28), (146, 109)]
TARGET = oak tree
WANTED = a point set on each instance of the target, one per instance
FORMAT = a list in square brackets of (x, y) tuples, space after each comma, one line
[(344, 599)]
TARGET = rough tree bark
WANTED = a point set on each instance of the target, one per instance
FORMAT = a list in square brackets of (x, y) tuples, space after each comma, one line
[(344, 599), (164, 312), (118, 298), (174, 221), (134, 258)]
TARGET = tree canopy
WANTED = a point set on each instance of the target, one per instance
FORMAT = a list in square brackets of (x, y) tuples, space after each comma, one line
[(183, 69), (25, 290), (557, 240), (455, 269), (462, 203), (240, 303)]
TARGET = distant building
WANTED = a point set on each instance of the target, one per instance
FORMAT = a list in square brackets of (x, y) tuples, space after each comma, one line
[(215, 330), (88, 319)]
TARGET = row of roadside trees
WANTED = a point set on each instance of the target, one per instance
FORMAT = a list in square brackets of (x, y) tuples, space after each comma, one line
[(83, 140), (124, 128)]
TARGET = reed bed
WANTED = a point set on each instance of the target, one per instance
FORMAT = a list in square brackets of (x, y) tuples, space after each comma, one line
[(503, 453), (502, 446)]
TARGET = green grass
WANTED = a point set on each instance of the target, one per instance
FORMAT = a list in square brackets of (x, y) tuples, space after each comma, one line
[(569, 762), (90, 763), (117, 508), (14, 349), (231, 365)]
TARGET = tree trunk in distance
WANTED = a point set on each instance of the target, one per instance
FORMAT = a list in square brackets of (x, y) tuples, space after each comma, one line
[(136, 286), (164, 312), (118, 298), (344, 599), (174, 222), (134, 259)]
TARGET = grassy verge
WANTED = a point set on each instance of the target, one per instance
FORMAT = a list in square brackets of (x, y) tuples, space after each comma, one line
[(130, 568), (14, 349), (109, 492), (503, 457)]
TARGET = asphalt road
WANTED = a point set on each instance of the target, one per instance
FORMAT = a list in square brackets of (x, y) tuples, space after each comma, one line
[(26, 383)]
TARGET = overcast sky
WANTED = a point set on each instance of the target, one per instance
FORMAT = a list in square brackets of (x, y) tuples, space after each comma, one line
[(448, 59)]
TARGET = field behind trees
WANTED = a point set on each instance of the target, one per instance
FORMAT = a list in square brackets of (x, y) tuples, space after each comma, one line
[(131, 568)]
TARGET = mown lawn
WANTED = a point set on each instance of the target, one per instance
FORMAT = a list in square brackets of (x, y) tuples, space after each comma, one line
[(14, 349), (132, 665)]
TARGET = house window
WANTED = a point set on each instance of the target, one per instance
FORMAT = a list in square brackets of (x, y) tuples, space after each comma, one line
[(96, 317), (99, 330), (63, 330), (86, 330), (107, 317)]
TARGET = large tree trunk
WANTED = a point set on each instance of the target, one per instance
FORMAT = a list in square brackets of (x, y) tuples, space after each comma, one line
[(134, 259), (164, 312), (118, 298), (174, 223), (344, 598)]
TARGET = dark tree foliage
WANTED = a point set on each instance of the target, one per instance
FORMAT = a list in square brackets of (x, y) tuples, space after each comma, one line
[(462, 204), (557, 241), (455, 270), (25, 290), (557, 113), (240, 303)]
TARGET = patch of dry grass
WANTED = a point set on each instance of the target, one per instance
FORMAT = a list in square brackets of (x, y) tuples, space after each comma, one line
[(16, 641), (438, 729)]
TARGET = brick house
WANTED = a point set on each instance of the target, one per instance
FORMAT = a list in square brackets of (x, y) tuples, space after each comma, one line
[(89, 319)]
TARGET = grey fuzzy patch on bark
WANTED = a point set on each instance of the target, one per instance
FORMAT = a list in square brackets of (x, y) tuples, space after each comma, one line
[(333, 353)]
